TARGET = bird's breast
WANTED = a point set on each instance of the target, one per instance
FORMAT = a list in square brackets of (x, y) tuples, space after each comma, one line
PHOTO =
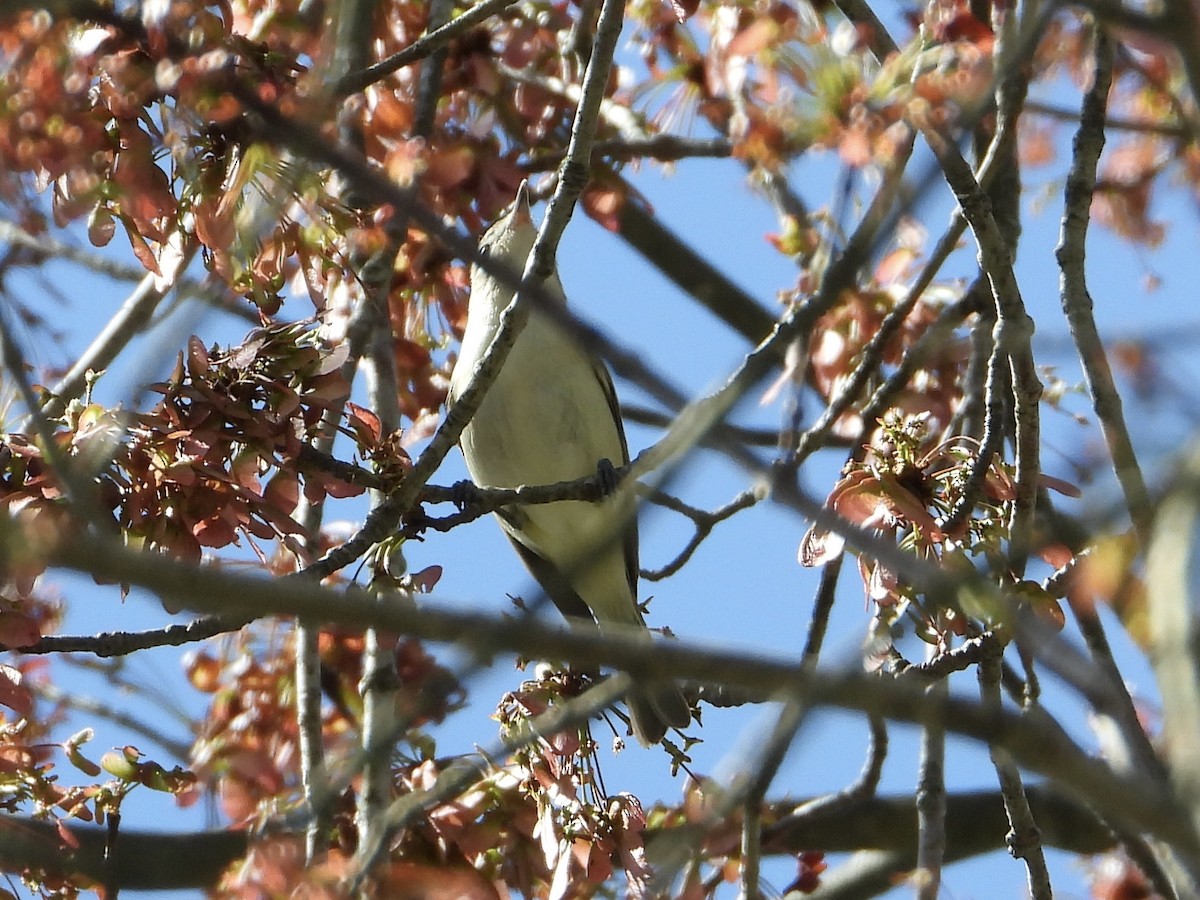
[(546, 418)]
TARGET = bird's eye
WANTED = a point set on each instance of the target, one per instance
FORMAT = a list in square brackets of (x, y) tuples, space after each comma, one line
[(485, 249)]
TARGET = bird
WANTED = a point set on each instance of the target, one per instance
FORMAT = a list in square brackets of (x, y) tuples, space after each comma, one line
[(552, 415)]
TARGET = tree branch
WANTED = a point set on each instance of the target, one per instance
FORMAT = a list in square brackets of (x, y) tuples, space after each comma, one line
[(420, 48), (1034, 739), (1076, 298)]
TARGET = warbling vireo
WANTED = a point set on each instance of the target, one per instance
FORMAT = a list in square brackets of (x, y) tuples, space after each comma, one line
[(551, 415)]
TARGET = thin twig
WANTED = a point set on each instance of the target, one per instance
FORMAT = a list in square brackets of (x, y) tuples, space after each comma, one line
[(703, 523), (110, 644), (419, 49), (78, 492), (874, 33), (934, 338), (130, 321), (944, 664), (822, 608), (180, 749), (45, 245), (310, 741), (863, 788), (1111, 123), (1012, 335), (692, 272), (1077, 306), (660, 147), (769, 758), (751, 437)]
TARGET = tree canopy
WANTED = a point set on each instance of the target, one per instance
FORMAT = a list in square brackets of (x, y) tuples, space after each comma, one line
[(316, 175)]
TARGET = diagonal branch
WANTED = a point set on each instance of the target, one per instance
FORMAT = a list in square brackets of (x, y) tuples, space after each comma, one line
[(1076, 298)]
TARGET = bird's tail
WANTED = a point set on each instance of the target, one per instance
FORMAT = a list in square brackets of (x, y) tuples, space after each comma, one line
[(655, 710)]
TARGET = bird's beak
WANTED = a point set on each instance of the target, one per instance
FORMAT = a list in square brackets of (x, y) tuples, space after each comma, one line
[(521, 211)]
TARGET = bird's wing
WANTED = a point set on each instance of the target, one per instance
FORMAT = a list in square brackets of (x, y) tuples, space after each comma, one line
[(631, 532), (557, 587)]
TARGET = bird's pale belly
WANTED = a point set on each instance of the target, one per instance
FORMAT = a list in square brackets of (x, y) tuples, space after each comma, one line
[(532, 428)]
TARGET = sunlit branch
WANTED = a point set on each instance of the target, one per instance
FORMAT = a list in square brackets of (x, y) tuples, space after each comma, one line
[(1077, 306), (378, 687), (368, 336), (1012, 335), (1076, 298), (1024, 837), (930, 801), (971, 416), (991, 442)]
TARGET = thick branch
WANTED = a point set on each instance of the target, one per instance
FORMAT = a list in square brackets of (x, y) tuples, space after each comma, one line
[(156, 861), (1033, 739)]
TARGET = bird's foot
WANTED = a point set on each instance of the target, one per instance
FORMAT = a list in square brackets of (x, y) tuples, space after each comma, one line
[(607, 478), (464, 494)]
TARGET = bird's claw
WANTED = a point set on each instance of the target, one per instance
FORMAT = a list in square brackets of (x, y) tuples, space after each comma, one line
[(464, 494), (607, 478)]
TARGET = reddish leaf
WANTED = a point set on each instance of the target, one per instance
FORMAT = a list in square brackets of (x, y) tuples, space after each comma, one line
[(425, 580), (684, 9), (1057, 484), (101, 226), (283, 491), (367, 427), (140, 248), (13, 692), (198, 364), (18, 630), (65, 834)]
